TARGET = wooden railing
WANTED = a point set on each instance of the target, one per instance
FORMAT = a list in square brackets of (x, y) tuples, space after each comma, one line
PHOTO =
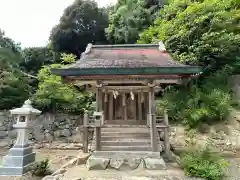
[(162, 125), (88, 123)]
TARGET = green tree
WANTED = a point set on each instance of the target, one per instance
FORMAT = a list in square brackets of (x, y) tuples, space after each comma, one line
[(82, 23), (199, 32), (130, 17), (36, 57), (205, 33), (53, 95), (6, 42), (14, 88)]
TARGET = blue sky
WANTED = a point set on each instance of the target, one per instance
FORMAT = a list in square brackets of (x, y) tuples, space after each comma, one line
[(29, 22)]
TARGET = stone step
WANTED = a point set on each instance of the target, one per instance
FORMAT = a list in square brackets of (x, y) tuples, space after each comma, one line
[(124, 122), (108, 137), (124, 126), (126, 138), (126, 148), (126, 130), (125, 143), (126, 134), (127, 154)]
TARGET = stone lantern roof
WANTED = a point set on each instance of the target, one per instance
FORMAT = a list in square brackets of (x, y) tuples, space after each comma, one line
[(26, 109)]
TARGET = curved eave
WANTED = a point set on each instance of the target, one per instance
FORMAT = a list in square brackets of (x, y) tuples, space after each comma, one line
[(185, 70)]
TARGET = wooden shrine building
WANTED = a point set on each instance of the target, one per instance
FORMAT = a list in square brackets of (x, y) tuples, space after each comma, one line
[(125, 79)]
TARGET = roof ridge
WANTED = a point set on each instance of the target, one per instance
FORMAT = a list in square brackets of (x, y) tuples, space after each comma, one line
[(124, 45), (160, 46)]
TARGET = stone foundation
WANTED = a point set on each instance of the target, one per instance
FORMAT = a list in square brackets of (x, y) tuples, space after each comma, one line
[(17, 162), (125, 160)]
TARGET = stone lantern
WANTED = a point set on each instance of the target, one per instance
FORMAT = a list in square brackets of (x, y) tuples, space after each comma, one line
[(20, 156)]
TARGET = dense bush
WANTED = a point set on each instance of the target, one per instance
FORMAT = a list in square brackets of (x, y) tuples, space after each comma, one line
[(204, 164), (206, 101)]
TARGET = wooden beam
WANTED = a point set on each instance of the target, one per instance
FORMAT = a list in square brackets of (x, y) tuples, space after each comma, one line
[(82, 82), (123, 81), (128, 77), (129, 88)]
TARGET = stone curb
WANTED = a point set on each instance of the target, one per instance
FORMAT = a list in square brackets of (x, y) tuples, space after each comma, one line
[(76, 161)]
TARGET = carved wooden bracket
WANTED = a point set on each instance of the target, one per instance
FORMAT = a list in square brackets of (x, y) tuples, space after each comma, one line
[(151, 85)]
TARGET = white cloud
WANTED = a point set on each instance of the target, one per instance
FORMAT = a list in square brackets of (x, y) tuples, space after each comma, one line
[(29, 22)]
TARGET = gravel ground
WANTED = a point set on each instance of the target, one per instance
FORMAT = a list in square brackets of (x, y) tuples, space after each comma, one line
[(233, 173), (60, 157), (57, 158)]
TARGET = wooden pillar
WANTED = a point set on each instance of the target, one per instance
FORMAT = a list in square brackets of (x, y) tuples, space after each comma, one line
[(100, 97), (166, 135), (110, 107), (133, 104), (105, 106), (152, 119), (98, 108), (115, 100), (85, 134), (124, 106), (149, 107), (146, 111), (98, 138), (139, 107)]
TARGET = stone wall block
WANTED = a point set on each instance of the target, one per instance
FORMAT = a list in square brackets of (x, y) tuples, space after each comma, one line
[(155, 163), (116, 163), (97, 163), (46, 127), (3, 134)]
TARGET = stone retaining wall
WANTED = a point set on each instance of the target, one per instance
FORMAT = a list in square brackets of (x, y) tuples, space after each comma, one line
[(46, 128), (235, 84)]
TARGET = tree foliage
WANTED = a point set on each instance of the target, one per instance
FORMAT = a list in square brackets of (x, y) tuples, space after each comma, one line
[(82, 23), (53, 95), (14, 88), (36, 57), (204, 33), (6, 42), (128, 18), (199, 32)]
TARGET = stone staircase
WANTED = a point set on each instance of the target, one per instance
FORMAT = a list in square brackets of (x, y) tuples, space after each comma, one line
[(125, 138)]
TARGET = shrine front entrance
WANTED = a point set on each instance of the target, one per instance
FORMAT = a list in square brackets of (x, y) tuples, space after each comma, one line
[(125, 107)]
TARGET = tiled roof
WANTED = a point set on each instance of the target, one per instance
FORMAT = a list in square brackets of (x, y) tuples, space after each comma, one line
[(125, 56)]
